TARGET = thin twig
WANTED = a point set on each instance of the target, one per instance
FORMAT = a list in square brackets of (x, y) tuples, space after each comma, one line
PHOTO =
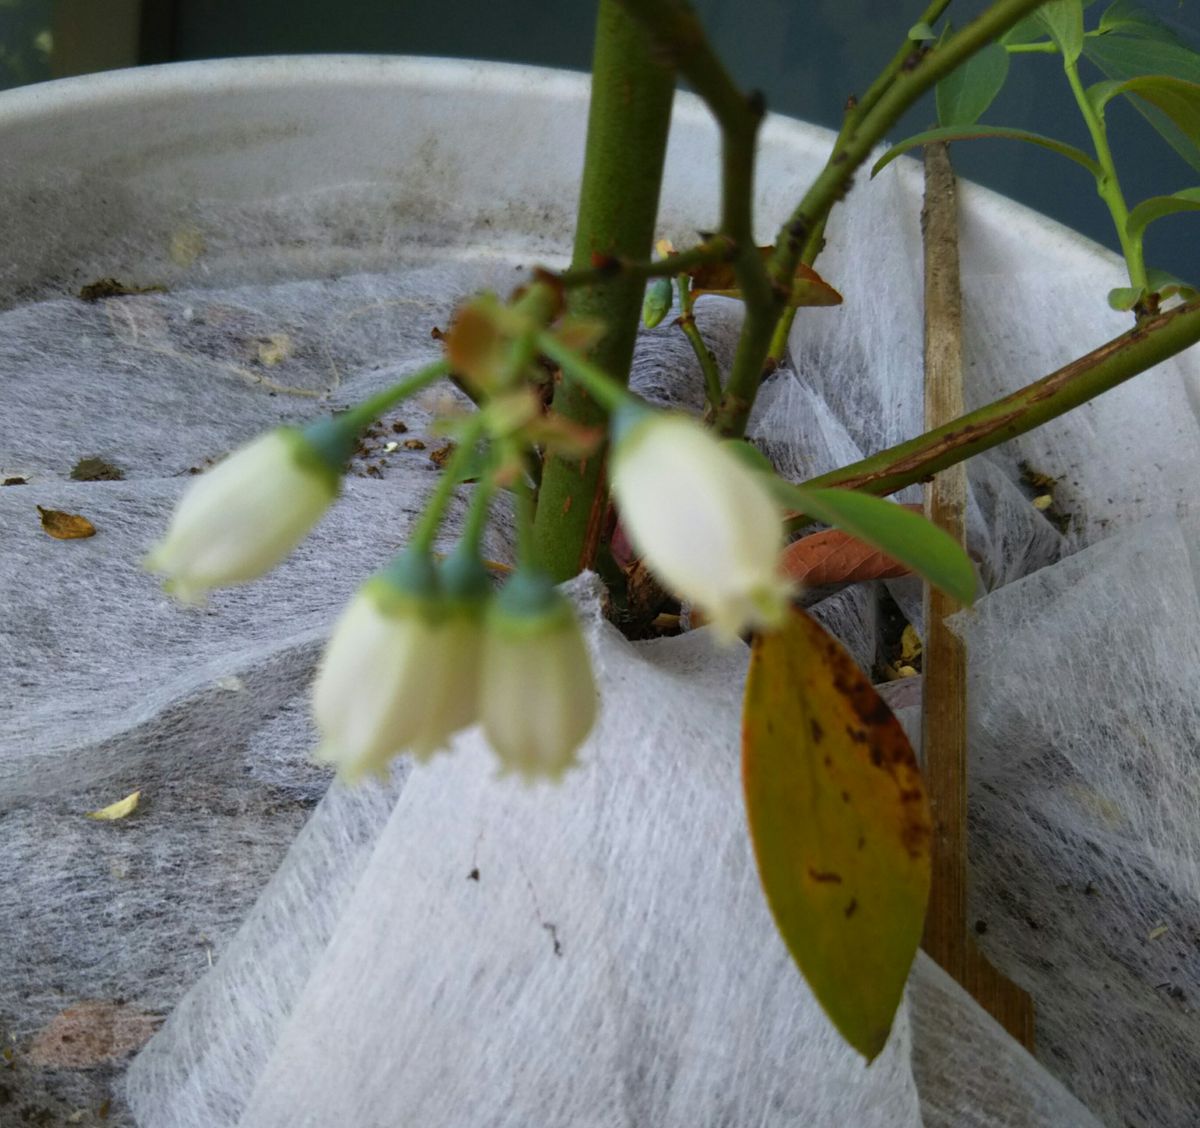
[(717, 249), (1149, 343)]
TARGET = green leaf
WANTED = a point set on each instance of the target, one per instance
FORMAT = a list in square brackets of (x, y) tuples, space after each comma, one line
[(921, 32), (1063, 19), (902, 534), (1157, 206), (840, 826), (966, 92), (1126, 18), (657, 304), (1175, 97), (1124, 298), (748, 453), (1123, 57), (1161, 283), (1167, 285), (958, 133), (1028, 30)]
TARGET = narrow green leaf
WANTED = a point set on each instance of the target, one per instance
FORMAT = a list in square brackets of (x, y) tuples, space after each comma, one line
[(1063, 19), (1157, 206), (966, 92), (902, 534), (840, 825), (1126, 18), (1123, 57), (751, 456), (958, 133)]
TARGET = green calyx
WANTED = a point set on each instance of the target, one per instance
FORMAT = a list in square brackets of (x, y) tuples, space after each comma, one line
[(529, 605), (327, 445), (408, 584), (463, 580)]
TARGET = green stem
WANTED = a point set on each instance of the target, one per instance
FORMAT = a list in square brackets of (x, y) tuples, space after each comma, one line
[(364, 414), (1107, 184), (864, 130), (687, 322), (526, 518), (426, 528), (480, 506), (1154, 340), (779, 339), (678, 31), (718, 249), (898, 63), (916, 75), (856, 108), (1046, 48), (630, 113), (608, 392)]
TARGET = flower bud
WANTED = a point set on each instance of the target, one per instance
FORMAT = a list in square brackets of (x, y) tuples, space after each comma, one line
[(377, 676), (703, 520), (538, 697), (401, 671), (239, 519)]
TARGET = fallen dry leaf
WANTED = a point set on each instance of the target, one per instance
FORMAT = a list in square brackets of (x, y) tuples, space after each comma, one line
[(808, 287), (121, 809), (93, 1032), (833, 557), (66, 526)]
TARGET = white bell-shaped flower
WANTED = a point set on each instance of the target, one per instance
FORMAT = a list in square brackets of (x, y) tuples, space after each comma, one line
[(400, 673), (538, 695), (239, 519), (703, 520)]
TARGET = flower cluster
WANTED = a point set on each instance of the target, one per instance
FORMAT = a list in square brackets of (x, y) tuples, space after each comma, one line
[(423, 652)]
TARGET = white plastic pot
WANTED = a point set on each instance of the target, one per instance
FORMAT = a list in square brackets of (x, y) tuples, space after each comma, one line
[(192, 177)]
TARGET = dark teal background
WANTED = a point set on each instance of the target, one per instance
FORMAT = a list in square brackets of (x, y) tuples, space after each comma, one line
[(805, 56)]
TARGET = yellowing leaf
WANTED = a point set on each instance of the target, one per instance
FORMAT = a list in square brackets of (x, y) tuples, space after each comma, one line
[(66, 526), (840, 826), (122, 808)]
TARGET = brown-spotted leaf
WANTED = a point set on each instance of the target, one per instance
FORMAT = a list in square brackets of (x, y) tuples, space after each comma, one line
[(808, 287), (840, 825), (834, 557), (66, 526)]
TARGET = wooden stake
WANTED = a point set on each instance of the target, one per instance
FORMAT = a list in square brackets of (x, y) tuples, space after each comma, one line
[(944, 714)]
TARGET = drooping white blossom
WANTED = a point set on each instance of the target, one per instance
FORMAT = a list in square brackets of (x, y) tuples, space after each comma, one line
[(538, 695), (703, 520), (242, 517)]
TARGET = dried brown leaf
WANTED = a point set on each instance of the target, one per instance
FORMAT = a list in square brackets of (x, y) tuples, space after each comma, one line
[(66, 526), (93, 1032), (833, 557), (808, 287)]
